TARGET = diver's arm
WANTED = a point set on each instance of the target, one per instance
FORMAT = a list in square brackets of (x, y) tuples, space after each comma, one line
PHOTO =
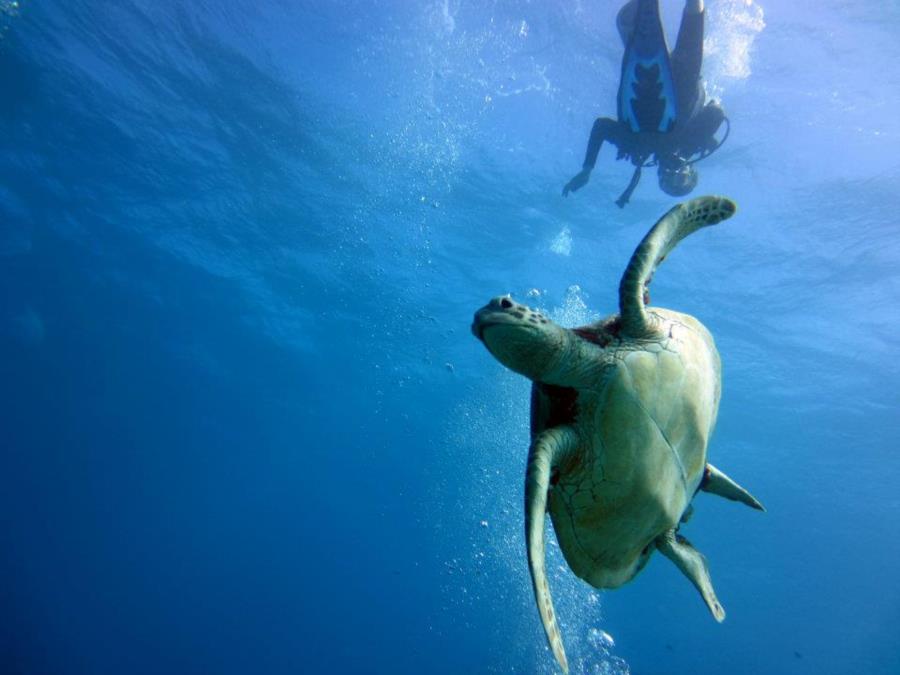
[(603, 130), (625, 196)]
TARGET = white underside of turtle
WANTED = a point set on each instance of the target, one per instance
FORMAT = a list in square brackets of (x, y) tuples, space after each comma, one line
[(621, 416)]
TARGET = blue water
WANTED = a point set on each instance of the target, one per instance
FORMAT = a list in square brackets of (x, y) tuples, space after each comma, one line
[(244, 426)]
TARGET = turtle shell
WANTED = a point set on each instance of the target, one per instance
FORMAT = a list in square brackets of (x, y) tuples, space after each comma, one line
[(644, 431)]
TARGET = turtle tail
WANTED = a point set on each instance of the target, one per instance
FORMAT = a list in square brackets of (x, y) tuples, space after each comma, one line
[(678, 223)]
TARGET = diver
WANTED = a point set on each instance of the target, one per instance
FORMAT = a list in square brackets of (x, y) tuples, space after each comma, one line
[(663, 117)]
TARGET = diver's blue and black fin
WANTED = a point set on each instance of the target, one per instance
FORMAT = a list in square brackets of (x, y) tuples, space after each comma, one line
[(646, 98)]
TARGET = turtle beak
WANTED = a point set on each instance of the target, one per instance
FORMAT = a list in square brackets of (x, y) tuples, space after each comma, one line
[(492, 313), (497, 311)]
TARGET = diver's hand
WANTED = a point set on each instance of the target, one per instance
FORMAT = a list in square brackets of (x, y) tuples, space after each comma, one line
[(578, 181)]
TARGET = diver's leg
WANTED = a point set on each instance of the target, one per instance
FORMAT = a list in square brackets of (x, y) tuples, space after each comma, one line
[(625, 21), (687, 60)]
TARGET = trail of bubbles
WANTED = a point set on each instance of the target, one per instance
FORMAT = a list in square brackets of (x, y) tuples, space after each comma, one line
[(491, 425), (562, 243), (733, 28), (9, 9)]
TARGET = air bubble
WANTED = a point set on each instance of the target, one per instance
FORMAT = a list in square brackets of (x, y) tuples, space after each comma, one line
[(600, 639)]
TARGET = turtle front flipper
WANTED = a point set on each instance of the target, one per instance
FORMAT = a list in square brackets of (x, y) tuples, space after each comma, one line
[(547, 450), (678, 223), (692, 563), (717, 483)]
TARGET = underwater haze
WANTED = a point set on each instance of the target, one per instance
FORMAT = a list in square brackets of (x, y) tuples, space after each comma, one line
[(244, 425)]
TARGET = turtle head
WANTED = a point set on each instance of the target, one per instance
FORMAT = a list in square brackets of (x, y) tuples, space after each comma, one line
[(520, 338)]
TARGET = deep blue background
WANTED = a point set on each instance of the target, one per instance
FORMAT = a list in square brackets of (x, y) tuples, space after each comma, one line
[(243, 424)]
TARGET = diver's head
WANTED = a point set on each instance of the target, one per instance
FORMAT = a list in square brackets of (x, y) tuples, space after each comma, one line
[(677, 179)]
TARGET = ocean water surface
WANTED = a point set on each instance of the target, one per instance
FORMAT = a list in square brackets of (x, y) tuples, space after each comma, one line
[(244, 426)]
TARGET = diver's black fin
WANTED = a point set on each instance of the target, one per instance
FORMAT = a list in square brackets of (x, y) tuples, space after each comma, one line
[(646, 99)]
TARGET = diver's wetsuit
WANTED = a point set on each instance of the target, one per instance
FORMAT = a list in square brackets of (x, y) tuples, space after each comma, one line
[(695, 125)]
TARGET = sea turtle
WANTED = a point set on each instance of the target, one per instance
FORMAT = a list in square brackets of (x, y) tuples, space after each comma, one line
[(621, 414)]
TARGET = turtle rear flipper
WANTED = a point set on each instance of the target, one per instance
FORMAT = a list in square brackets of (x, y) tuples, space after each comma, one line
[(547, 449), (692, 563), (717, 483)]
